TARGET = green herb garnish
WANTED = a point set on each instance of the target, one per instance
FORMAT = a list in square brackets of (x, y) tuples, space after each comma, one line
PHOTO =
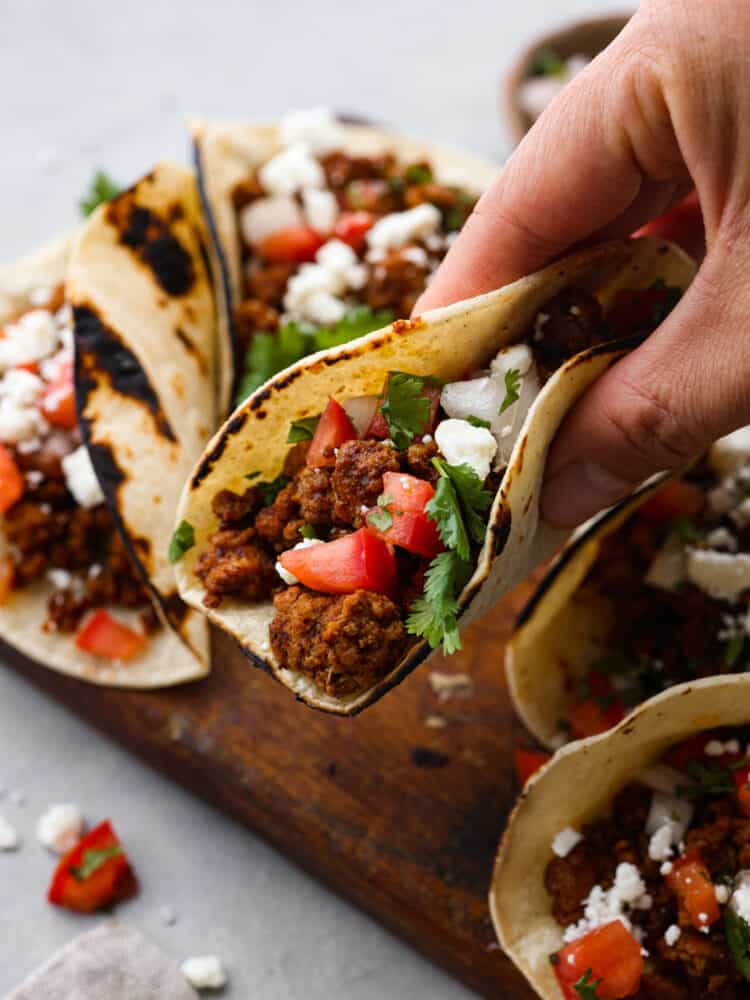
[(512, 388), (546, 62), (101, 188), (182, 540), (474, 500), (308, 531), (418, 173), (737, 933), (434, 615), (478, 422), (406, 409), (92, 860), (733, 650), (586, 988), (684, 529), (269, 491), (302, 430), (381, 518), (708, 780)]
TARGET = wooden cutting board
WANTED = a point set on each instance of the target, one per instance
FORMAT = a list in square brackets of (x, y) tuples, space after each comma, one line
[(401, 818)]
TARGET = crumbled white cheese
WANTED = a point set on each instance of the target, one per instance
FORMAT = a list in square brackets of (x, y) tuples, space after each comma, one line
[(20, 418), (671, 813), (60, 579), (293, 169), (730, 453), (517, 356), (267, 215), (33, 336), (321, 209), (718, 748), (324, 309), (204, 972), (80, 478), (9, 839), (672, 935), (740, 899), (416, 255), (660, 845), (564, 841), (462, 443), (447, 686), (666, 869), (603, 906), (539, 322), (316, 128), (719, 574), (722, 540), (667, 568), (721, 499), (435, 722), (722, 893), (398, 228), (313, 293), (59, 829), (286, 576)]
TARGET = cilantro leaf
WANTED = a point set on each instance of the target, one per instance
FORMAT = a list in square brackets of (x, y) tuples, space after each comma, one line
[(381, 518), (101, 188), (708, 779), (445, 510), (302, 430), (474, 498), (270, 353), (546, 62), (406, 409), (478, 422), (586, 987), (733, 650), (512, 387), (418, 173), (434, 615), (737, 933), (92, 860), (182, 540), (684, 530), (270, 490), (308, 531)]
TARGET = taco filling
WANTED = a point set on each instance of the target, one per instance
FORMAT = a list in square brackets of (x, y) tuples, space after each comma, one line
[(333, 245), (367, 539), (677, 575), (654, 898), (56, 525)]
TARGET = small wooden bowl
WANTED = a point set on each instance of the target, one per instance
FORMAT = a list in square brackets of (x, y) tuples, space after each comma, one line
[(586, 38)]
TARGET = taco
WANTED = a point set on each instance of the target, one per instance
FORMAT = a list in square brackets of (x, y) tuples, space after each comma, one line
[(652, 594), (323, 231), (91, 465), (407, 503), (625, 867)]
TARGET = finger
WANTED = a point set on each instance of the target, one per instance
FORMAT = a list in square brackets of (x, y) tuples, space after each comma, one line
[(604, 145), (660, 406)]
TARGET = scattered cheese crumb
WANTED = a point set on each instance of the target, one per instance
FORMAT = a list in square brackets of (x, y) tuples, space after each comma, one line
[(60, 828), (204, 972), (435, 722), (719, 574), (462, 443), (672, 935), (9, 839), (80, 478), (601, 907), (722, 893), (564, 841), (398, 228), (447, 686), (167, 916)]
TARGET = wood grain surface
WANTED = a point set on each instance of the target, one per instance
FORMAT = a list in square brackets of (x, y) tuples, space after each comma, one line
[(401, 818)]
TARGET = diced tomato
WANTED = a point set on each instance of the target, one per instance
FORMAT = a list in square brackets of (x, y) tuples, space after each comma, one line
[(29, 366), (103, 636), (351, 228), (379, 428), (693, 748), (741, 776), (334, 428), (690, 880), (293, 245), (600, 711), (528, 762), (683, 225), (610, 954), (359, 561), (94, 874), (407, 493), (410, 527), (7, 577), (59, 400), (676, 498), (12, 483)]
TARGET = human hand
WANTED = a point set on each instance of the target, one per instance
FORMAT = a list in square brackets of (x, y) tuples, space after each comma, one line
[(664, 109)]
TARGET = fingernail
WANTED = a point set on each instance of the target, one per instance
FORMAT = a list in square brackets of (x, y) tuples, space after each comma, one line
[(579, 490)]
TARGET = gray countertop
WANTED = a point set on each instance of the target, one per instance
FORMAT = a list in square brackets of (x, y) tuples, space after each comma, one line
[(108, 84)]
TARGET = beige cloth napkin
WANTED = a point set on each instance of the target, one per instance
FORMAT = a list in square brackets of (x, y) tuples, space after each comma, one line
[(114, 962)]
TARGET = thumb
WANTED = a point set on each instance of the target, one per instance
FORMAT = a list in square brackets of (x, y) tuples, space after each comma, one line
[(659, 407)]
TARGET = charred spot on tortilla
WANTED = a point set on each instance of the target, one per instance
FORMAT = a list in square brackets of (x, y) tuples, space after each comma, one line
[(433, 759), (209, 460), (102, 353), (149, 236), (108, 472), (501, 531), (191, 348)]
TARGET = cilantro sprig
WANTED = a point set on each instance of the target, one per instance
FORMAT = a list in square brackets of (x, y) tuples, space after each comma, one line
[(92, 860), (381, 518), (708, 779), (733, 650), (547, 62), (101, 188), (302, 430), (512, 389), (434, 615), (270, 353), (586, 987), (737, 933), (182, 540), (478, 422), (405, 407)]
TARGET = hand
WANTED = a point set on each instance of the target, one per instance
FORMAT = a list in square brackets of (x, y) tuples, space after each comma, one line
[(664, 109)]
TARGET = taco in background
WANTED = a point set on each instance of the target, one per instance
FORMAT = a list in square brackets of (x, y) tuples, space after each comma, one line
[(323, 231), (407, 503), (625, 867), (652, 594), (81, 589)]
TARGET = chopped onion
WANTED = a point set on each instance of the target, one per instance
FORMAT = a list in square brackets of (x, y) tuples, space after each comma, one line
[(361, 410), (669, 809), (662, 778)]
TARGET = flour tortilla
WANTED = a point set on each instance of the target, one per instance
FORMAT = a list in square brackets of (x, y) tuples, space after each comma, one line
[(576, 787), (106, 279), (227, 152), (445, 343), (564, 626)]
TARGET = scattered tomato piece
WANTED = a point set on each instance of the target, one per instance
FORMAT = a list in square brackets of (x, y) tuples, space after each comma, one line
[(600, 711), (528, 762), (691, 881), (351, 228), (94, 874), (693, 748), (407, 492), (12, 483), (103, 636), (334, 428), (683, 226), (293, 245), (7, 577), (59, 400), (610, 954), (359, 561), (741, 777), (676, 498)]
